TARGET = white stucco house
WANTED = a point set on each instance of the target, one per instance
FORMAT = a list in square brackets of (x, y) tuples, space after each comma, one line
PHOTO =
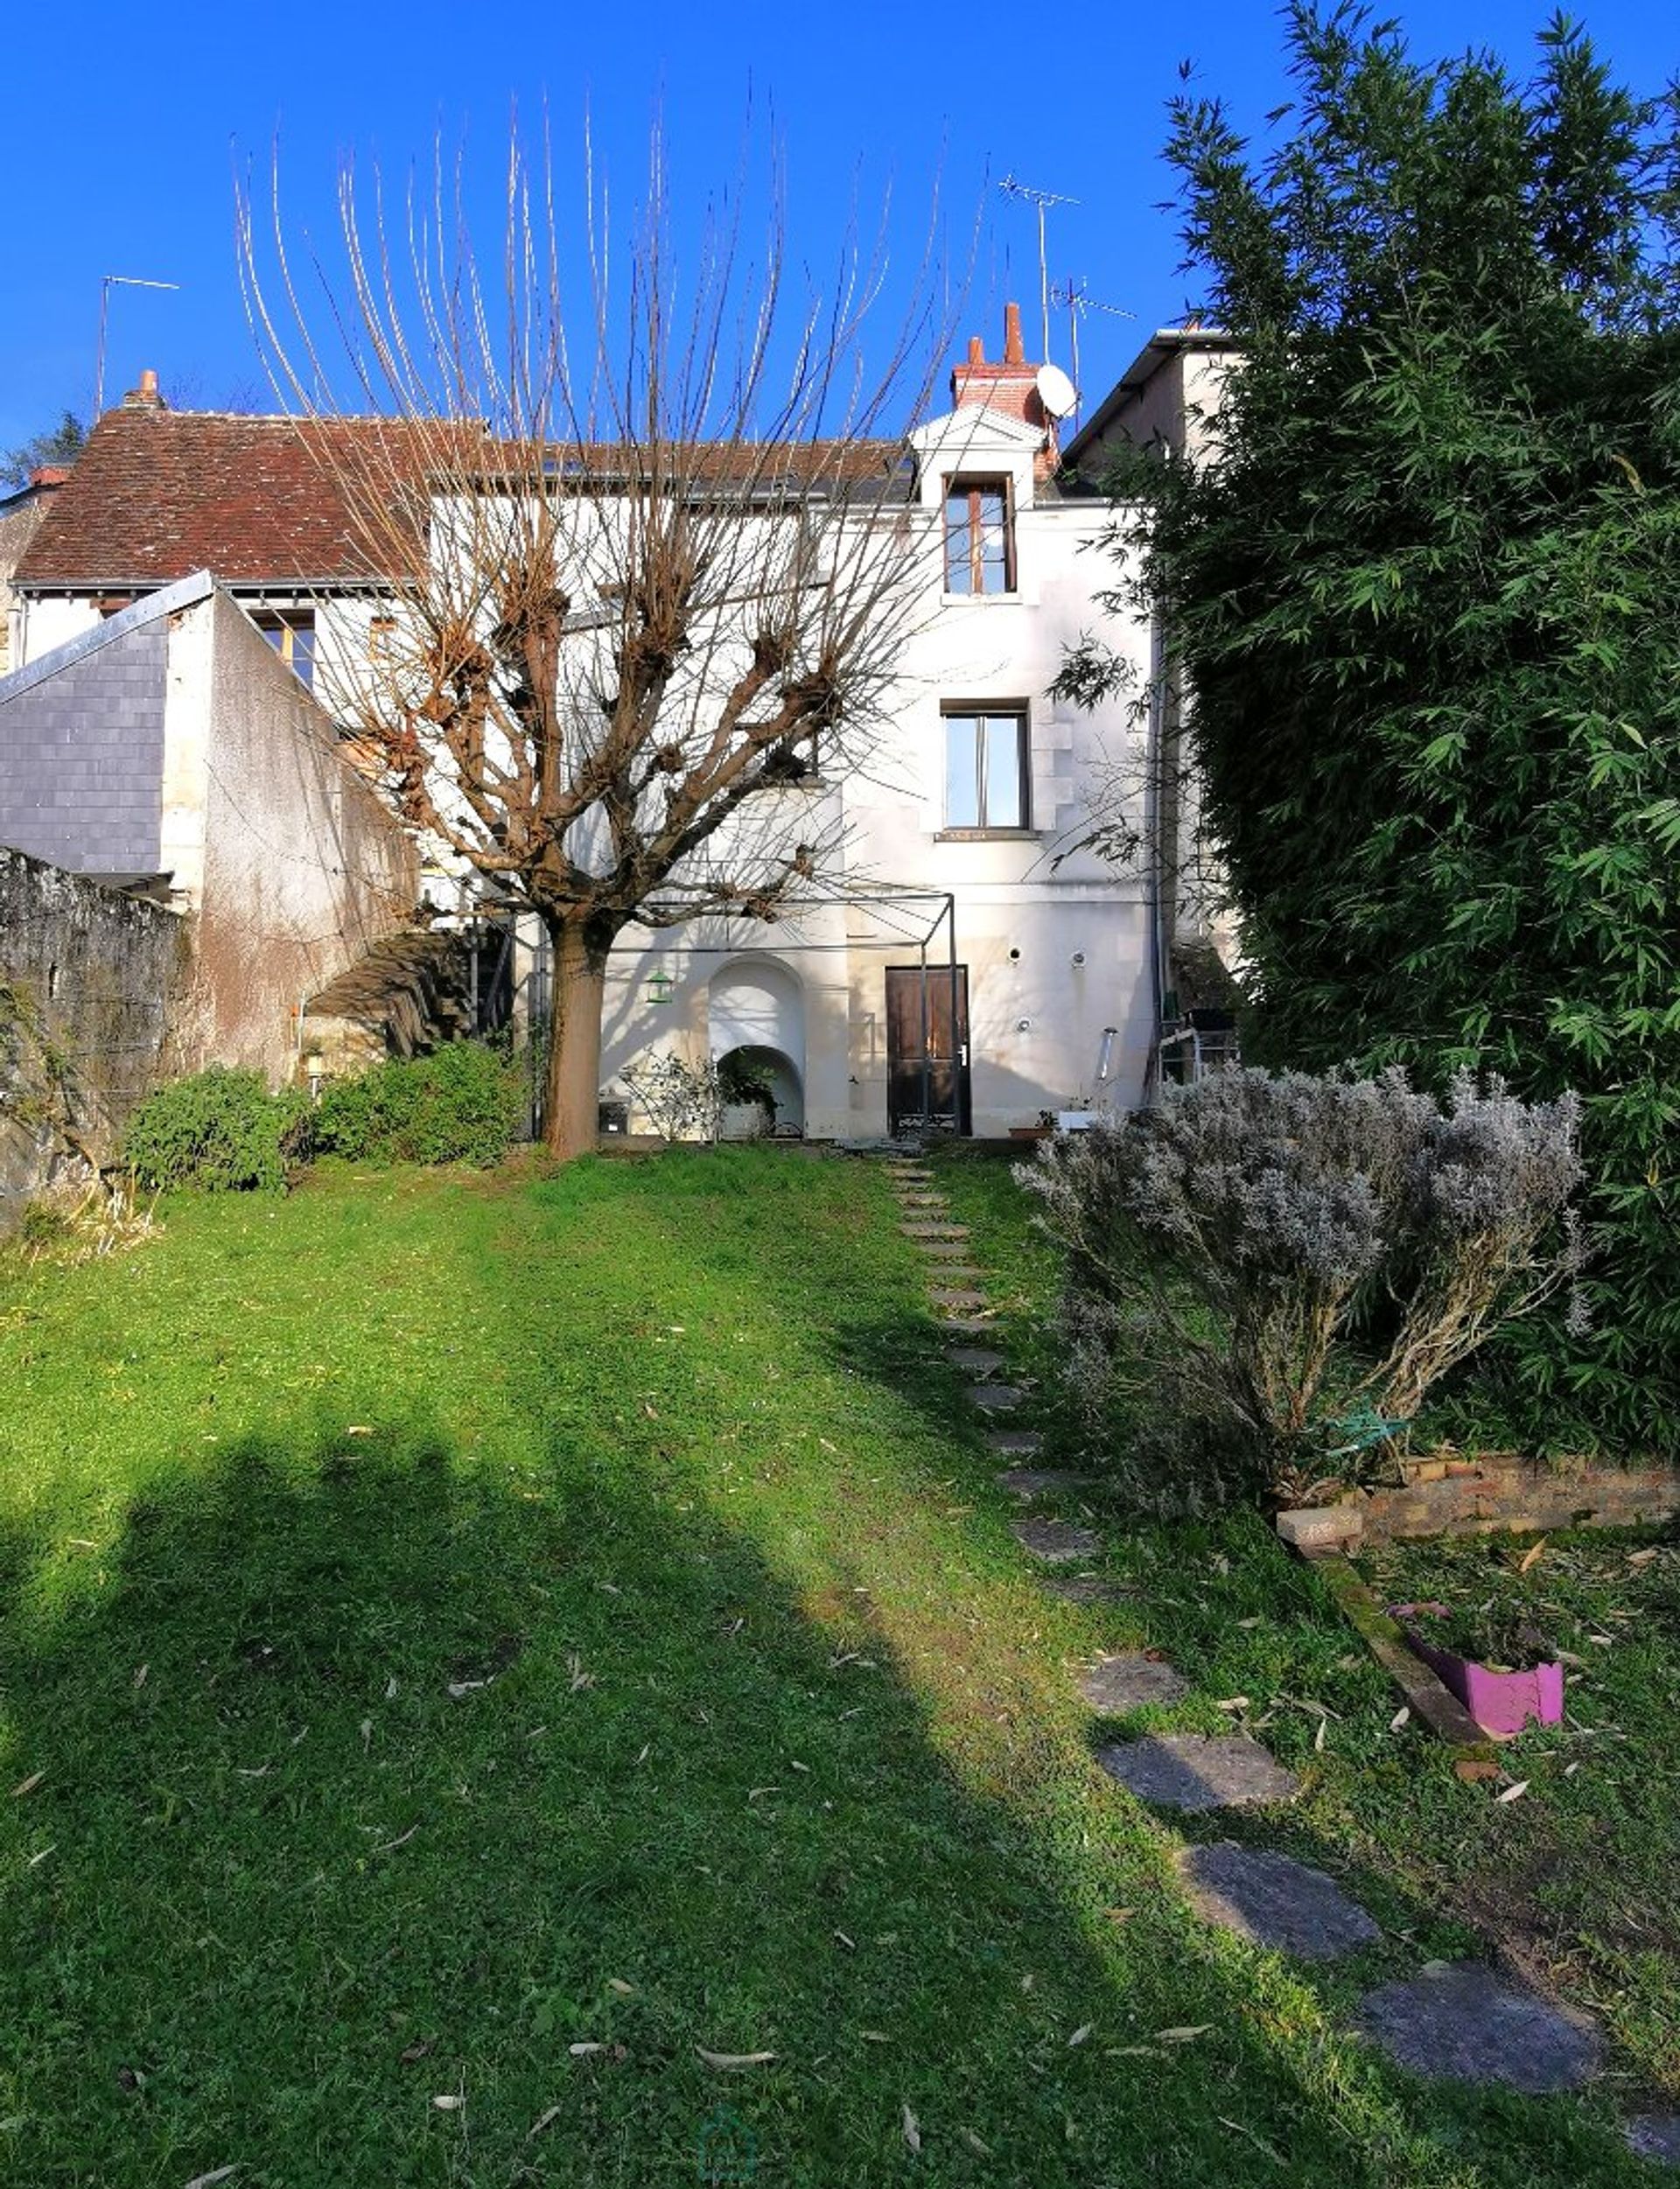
[(971, 966)]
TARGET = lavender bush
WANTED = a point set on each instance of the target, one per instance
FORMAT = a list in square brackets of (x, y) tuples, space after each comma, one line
[(1221, 1248)]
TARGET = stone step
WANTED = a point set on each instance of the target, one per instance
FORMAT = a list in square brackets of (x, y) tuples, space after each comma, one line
[(1196, 1771), (967, 1325), (943, 1249), (1028, 1482), (1653, 2136), (1462, 2022), (954, 1273), (930, 1228), (1058, 1543), (974, 1359), (1089, 1588), (997, 1398), (1272, 1900), (1131, 1679), (963, 1297), (1023, 1444)]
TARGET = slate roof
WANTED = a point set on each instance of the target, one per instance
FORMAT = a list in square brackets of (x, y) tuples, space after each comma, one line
[(157, 493)]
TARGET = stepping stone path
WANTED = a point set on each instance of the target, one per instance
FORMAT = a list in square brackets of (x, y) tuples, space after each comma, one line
[(996, 1398), (1197, 1772), (974, 1359), (1462, 2022), (1453, 2022), (1655, 2136), (1040, 1481), (1058, 1543), (1130, 1681), (1275, 1901)]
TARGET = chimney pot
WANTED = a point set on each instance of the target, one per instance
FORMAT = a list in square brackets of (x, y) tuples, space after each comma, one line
[(145, 396), (1013, 352)]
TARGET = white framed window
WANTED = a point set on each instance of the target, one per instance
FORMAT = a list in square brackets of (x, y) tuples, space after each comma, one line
[(987, 777)]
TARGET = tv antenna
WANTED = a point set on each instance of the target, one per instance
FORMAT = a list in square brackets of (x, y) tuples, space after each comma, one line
[(1075, 298), (1041, 201), (107, 283)]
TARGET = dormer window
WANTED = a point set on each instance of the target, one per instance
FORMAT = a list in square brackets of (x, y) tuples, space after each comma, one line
[(979, 536)]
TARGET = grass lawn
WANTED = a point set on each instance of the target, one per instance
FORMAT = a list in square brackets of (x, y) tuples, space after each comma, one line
[(497, 1639)]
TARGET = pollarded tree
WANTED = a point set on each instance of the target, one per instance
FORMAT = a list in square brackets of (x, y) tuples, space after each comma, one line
[(1424, 595), (648, 558)]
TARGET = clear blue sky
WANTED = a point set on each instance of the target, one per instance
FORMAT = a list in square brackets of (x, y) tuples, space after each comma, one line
[(123, 126)]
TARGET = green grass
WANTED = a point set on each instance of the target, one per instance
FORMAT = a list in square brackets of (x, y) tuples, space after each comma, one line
[(762, 1737)]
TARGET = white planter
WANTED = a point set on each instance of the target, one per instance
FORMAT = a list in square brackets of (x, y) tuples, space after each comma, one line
[(743, 1121)]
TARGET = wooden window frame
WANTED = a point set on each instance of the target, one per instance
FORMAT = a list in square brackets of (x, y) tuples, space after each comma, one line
[(988, 712), (973, 486)]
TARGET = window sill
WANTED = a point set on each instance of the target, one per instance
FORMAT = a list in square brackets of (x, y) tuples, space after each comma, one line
[(981, 600), (986, 835)]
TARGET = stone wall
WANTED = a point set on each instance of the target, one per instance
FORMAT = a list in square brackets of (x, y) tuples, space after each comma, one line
[(98, 973), (1481, 1496)]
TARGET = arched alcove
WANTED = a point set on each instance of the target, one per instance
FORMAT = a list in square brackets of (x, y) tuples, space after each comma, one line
[(755, 1013)]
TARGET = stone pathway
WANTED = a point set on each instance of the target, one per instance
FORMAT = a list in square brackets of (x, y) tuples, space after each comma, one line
[(1455, 2021), (1275, 1901)]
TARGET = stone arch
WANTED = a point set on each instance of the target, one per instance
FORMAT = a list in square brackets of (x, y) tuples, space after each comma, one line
[(755, 1008)]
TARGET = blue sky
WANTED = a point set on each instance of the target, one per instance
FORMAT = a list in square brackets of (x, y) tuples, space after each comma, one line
[(123, 129)]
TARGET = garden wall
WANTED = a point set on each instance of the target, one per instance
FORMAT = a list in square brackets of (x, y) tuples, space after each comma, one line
[(1479, 1496), (97, 973)]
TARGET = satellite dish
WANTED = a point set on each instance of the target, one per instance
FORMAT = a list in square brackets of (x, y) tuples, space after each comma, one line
[(1056, 392)]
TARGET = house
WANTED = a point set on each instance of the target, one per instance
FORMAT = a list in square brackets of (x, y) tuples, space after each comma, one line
[(975, 965), (167, 748), (21, 512)]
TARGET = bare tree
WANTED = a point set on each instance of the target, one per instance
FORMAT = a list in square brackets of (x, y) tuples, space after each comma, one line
[(646, 549)]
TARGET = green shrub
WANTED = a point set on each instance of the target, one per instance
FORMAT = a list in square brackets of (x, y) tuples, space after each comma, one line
[(460, 1104), (219, 1130)]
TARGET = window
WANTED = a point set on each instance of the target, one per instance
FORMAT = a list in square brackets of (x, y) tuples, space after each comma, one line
[(292, 636), (381, 639), (979, 536), (985, 770)]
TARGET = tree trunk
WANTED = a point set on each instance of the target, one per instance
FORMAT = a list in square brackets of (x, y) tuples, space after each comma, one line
[(573, 1085)]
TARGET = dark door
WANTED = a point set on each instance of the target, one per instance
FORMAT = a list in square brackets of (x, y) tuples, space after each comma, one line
[(928, 1049)]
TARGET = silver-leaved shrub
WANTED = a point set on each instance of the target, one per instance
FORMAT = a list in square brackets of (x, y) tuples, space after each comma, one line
[(1221, 1249)]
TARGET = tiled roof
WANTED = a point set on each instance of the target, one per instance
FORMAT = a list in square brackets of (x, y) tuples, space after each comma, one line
[(265, 500), (157, 493)]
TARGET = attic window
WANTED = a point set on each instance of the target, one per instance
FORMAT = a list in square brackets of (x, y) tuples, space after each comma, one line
[(979, 536), (292, 636)]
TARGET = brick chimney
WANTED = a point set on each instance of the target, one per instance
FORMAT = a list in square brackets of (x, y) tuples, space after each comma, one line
[(145, 396), (1009, 388)]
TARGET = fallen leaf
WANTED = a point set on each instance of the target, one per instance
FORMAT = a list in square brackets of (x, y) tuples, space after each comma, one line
[(140, 1675), (458, 1688), (390, 1688), (1531, 1557), (874, 2037), (1513, 1793), (1571, 1769), (1401, 1717), (1640, 1557), (359, 1428), (974, 2142), (1246, 1623), (27, 1785), (542, 2121), (850, 1944), (208, 2181), (625, 1990), (418, 2050), (1135, 2052), (733, 2060), (1079, 2035), (586, 2050), (912, 2130), (402, 1840), (1184, 2033), (448, 2101), (1233, 1702), (1317, 1737), (1119, 1915)]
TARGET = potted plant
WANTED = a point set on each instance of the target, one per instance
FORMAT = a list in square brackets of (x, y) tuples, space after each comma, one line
[(1500, 1669), (1043, 1131), (748, 1095)]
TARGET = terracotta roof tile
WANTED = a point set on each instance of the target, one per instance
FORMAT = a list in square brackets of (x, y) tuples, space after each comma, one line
[(158, 494)]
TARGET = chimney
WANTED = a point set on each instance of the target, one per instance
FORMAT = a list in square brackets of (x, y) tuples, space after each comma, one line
[(1009, 388), (145, 396)]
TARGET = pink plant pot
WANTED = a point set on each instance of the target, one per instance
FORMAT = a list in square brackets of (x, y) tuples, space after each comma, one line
[(1501, 1702)]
